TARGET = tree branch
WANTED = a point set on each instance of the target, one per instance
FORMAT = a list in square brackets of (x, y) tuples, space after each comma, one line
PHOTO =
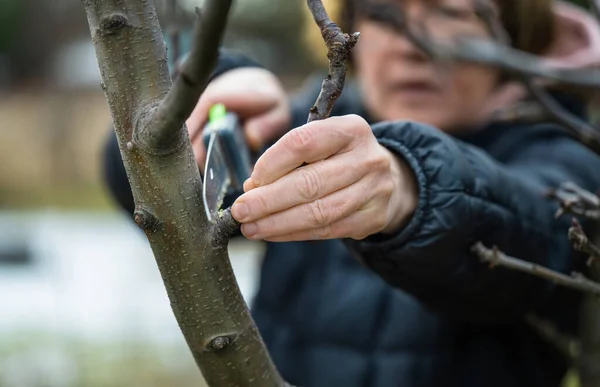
[(192, 77), (568, 346), (575, 200), (498, 54), (582, 243), (173, 30), (339, 45), (521, 111), (574, 281), (587, 134), (486, 52), (584, 132)]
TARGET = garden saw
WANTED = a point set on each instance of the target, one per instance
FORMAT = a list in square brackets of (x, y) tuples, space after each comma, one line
[(227, 159)]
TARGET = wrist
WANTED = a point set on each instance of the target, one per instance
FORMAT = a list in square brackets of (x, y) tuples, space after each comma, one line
[(405, 197)]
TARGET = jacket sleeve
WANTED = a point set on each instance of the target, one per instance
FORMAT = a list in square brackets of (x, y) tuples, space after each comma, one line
[(113, 170), (466, 196)]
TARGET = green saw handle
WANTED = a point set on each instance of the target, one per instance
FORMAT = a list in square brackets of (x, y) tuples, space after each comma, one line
[(229, 131)]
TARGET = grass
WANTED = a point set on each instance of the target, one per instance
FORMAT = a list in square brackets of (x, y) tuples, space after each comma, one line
[(37, 359)]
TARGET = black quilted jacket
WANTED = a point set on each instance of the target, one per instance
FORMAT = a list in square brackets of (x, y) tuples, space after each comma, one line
[(416, 308)]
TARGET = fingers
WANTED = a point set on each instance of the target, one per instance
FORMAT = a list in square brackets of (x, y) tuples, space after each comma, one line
[(261, 127), (267, 126), (250, 93), (312, 142), (317, 219), (349, 227), (240, 103), (303, 185), (348, 194)]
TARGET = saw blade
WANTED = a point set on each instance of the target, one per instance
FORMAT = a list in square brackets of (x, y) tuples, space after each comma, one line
[(216, 177)]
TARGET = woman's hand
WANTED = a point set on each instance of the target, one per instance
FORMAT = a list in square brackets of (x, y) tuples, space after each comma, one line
[(256, 95), (351, 187)]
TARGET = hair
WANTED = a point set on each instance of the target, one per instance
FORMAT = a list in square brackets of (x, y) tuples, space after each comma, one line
[(529, 23)]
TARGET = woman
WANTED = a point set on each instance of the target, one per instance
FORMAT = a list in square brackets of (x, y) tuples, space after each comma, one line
[(376, 285)]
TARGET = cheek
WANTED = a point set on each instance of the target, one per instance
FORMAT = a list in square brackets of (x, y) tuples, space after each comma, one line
[(370, 75), (371, 58), (476, 81)]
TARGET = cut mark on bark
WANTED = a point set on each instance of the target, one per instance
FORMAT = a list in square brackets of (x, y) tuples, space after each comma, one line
[(146, 220), (225, 227)]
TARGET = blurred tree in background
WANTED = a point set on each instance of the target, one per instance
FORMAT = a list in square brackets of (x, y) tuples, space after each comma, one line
[(49, 78)]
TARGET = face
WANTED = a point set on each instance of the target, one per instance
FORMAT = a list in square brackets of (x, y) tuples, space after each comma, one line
[(399, 82)]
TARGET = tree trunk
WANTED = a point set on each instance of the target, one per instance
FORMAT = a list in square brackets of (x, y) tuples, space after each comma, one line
[(148, 115)]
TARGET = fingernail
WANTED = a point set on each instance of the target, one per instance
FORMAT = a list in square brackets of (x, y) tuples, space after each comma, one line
[(240, 211), (249, 229)]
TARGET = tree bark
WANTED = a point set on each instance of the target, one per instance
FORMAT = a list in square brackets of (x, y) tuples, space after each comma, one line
[(191, 252)]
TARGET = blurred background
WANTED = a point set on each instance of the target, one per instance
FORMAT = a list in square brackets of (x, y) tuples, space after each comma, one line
[(81, 300)]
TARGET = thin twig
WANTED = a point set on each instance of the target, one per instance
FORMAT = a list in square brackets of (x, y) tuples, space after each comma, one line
[(174, 33), (530, 111), (488, 13), (581, 242), (339, 45), (568, 345), (486, 52), (496, 258), (394, 17), (575, 200), (584, 132), (194, 73), (490, 53), (175, 38), (496, 54)]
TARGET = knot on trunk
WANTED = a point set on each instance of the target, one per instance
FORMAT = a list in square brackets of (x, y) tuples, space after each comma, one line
[(219, 343), (113, 23)]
